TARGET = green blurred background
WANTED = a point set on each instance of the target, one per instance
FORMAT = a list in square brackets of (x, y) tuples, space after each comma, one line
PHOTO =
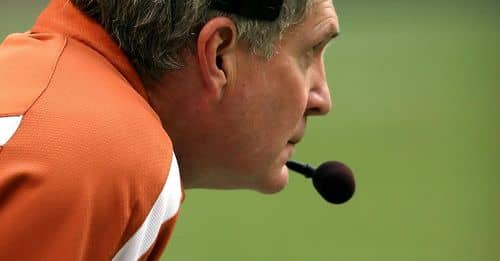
[(416, 91)]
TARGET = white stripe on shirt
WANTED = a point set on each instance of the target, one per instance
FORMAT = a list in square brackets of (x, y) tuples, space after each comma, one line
[(165, 207), (8, 127)]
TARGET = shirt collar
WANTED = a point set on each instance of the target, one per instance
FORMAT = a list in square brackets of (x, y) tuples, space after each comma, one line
[(62, 17)]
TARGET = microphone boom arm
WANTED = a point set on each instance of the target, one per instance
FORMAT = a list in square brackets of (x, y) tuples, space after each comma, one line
[(301, 168)]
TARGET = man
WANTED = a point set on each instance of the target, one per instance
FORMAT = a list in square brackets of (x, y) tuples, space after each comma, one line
[(94, 96)]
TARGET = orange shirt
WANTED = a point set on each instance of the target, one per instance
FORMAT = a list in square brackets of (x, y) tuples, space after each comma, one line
[(86, 170)]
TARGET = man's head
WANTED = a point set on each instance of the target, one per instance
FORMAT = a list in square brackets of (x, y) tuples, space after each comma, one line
[(153, 33), (239, 103)]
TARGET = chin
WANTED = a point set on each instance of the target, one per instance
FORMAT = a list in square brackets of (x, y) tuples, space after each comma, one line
[(275, 183)]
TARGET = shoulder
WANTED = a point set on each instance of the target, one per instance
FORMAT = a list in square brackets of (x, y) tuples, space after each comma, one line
[(68, 94), (26, 65), (88, 147), (81, 118)]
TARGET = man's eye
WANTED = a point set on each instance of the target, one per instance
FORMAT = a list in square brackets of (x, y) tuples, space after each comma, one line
[(319, 47), (312, 53)]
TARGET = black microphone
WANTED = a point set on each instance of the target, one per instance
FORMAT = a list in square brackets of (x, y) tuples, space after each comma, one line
[(333, 180)]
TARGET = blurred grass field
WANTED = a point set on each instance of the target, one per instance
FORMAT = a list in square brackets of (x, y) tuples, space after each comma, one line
[(416, 91)]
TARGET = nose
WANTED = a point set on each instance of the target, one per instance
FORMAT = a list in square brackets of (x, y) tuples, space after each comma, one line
[(319, 101)]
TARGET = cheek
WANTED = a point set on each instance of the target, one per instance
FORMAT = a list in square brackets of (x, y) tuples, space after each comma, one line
[(282, 109), (266, 122), (292, 98), (270, 105)]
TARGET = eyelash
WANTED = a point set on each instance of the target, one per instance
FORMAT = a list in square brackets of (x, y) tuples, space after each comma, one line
[(319, 47)]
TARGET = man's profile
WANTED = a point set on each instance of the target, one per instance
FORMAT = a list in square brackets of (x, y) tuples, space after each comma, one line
[(110, 109)]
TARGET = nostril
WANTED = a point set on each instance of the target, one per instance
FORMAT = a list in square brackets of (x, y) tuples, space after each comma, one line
[(319, 103), (314, 111)]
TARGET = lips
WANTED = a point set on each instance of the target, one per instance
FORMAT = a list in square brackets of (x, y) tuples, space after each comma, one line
[(298, 133), (296, 138)]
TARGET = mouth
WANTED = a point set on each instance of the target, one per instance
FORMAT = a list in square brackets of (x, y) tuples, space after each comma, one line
[(289, 150), (295, 140), (298, 134)]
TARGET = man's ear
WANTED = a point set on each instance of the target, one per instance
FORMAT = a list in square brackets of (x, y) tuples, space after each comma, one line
[(216, 47)]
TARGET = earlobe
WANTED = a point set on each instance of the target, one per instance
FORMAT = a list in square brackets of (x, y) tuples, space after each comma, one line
[(216, 46)]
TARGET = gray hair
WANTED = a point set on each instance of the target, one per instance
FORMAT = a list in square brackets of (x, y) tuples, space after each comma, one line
[(153, 32)]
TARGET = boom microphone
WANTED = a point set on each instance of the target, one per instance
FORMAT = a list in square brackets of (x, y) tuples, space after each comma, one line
[(333, 180)]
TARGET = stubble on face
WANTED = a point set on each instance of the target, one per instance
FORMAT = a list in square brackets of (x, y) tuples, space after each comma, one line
[(287, 85), (244, 140)]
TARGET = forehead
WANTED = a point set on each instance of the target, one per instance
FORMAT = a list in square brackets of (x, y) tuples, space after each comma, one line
[(320, 13)]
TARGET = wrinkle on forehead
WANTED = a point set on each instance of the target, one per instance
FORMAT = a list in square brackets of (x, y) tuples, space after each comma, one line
[(322, 10), (320, 14)]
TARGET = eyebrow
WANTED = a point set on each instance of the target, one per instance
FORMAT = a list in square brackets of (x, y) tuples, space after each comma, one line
[(329, 31)]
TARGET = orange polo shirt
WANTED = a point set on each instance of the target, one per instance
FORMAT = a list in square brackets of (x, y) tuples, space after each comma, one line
[(86, 170)]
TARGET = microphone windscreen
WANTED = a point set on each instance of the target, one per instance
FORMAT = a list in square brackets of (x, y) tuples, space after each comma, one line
[(334, 181)]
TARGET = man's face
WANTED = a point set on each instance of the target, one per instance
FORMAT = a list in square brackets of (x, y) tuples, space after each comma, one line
[(238, 130), (263, 114)]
